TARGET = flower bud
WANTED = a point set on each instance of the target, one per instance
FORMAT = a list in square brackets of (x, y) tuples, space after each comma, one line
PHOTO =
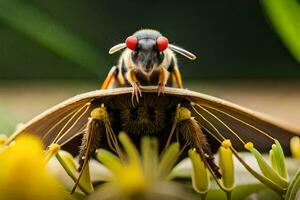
[(278, 160), (200, 176), (268, 171), (295, 146), (227, 165)]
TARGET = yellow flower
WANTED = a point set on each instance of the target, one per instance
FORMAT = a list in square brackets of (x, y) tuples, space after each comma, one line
[(129, 177), (23, 172), (138, 176)]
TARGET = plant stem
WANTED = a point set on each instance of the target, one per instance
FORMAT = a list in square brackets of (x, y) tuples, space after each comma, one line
[(70, 173)]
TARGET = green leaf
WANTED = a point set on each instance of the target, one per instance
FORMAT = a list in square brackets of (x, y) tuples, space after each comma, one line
[(149, 151), (246, 192), (86, 181), (168, 160), (293, 192), (111, 161), (263, 179), (130, 148), (285, 17)]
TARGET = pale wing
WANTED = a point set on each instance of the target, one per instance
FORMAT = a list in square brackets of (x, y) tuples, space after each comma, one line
[(46, 125), (49, 124), (248, 124)]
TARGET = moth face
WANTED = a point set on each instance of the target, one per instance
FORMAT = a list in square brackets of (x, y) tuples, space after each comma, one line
[(147, 57)]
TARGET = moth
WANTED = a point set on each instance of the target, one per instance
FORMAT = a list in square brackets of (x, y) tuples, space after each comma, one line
[(92, 120)]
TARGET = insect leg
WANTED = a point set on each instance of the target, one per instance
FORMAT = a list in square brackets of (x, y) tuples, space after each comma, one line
[(163, 78), (132, 79), (95, 129), (97, 125), (191, 132), (111, 77), (88, 147)]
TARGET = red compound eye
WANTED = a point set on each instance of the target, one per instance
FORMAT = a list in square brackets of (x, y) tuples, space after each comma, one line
[(131, 42), (162, 43)]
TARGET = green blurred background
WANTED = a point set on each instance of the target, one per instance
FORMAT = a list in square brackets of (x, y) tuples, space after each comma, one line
[(248, 51)]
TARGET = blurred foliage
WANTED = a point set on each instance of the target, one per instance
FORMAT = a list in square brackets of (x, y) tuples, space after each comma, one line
[(231, 40), (285, 17), (247, 192), (7, 122), (49, 33)]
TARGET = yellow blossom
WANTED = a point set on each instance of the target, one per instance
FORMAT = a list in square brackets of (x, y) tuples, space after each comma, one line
[(138, 176), (23, 172)]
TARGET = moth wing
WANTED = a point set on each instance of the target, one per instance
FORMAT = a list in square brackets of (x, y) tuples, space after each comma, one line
[(47, 127), (249, 125)]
